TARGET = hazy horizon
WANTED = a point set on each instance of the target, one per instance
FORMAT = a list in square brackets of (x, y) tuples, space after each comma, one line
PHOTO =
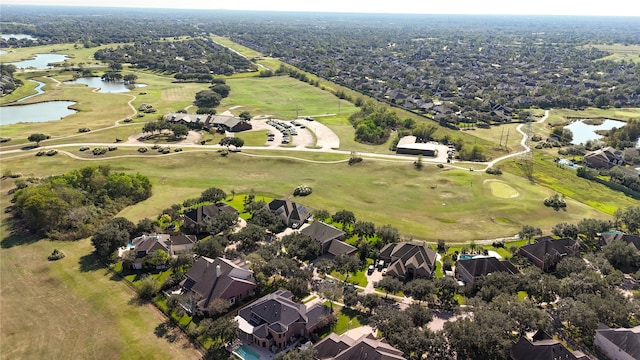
[(454, 7)]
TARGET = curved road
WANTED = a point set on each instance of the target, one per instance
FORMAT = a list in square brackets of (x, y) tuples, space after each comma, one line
[(372, 156)]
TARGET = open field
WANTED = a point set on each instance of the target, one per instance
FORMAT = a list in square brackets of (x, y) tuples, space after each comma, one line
[(78, 54), (431, 204), (72, 308), (620, 52), (564, 116)]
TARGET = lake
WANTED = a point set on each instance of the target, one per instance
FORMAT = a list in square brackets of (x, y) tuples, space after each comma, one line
[(40, 61), (17, 36), (38, 112), (583, 132), (104, 86)]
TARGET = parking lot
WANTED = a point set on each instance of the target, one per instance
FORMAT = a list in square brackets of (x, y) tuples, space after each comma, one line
[(296, 133)]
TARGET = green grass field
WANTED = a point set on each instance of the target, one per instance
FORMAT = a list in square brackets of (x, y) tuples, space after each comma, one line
[(620, 52), (430, 204), (72, 309)]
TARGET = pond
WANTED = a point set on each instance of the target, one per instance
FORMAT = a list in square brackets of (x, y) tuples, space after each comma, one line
[(38, 112), (40, 61), (17, 36), (583, 132), (104, 86)]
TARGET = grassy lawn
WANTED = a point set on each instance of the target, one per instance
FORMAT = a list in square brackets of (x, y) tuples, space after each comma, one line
[(564, 116), (620, 52), (253, 138), (430, 204), (72, 308), (347, 319)]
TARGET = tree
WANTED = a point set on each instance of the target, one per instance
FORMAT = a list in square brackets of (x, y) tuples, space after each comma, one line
[(249, 237), (387, 234), (389, 284), (130, 78), (245, 115), (231, 141), (221, 89), (420, 289), (630, 217), (528, 232), (224, 222), (115, 66), (218, 306), (622, 255), (320, 215), (297, 354), (213, 195), (565, 230), (37, 138), (148, 288), (179, 130), (364, 228), (207, 99), (419, 315), (211, 247), (446, 289), (111, 236), (158, 258), (371, 302), (331, 291), (301, 246), (344, 217), (424, 132)]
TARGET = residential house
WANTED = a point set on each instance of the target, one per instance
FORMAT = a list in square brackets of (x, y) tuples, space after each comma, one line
[(546, 252), (470, 270), (171, 244), (330, 239), (409, 260), (218, 278), (608, 237), (367, 347), (229, 123), (543, 347), (275, 320), (293, 215), (607, 157), (618, 343), (194, 219)]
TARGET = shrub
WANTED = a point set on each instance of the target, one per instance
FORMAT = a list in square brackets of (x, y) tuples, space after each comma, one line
[(84, 148), (99, 151), (56, 255), (113, 148), (84, 130), (142, 150), (302, 190), (556, 201), (128, 120), (355, 160), (440, 166), (494, 171), (52, 152)]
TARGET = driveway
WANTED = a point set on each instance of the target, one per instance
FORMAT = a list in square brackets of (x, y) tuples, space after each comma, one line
[(326, 138)]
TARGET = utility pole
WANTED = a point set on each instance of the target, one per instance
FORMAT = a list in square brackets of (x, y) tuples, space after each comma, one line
[(502, 133), (506, 141)]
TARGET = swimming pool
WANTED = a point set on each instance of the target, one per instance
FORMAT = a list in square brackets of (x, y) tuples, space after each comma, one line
[(568, 163), (244, 352), (465, 257)]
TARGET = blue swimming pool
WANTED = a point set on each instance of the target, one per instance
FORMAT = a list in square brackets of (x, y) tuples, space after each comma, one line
[(465, 257), (245, 352), (568, 163)]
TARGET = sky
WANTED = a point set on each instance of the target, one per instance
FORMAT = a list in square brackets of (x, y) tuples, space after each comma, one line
[(510, 7)]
